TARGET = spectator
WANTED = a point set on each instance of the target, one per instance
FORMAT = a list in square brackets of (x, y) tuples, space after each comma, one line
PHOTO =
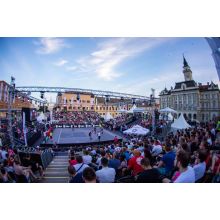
[(106, 174), (166, 164), (157, 149), (87, 159), (74, 177), (134, 164), (89, 175), (72, 160), (114, 162), (149, 174), (80, 166), (200, 166), (187, 174)]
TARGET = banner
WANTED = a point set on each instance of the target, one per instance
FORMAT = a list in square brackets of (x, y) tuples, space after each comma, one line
[(24, 130), (74, 126)]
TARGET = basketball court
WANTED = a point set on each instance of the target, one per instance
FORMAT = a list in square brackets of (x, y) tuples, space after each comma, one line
[(80, 136)]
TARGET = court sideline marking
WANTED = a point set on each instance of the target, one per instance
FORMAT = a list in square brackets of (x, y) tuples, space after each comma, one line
[(59, 136)]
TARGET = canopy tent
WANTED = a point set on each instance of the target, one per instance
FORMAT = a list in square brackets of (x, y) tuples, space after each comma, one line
[(41, 117), (121, 110), (139, 110), (170, 117), (132, 109), (137, 130), (108, 116), (167, 110), (180, 123)]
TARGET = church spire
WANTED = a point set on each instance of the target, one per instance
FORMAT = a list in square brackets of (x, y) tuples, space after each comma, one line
[(185, 64)]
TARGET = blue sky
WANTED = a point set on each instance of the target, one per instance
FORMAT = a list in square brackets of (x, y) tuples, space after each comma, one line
[(131, 65)]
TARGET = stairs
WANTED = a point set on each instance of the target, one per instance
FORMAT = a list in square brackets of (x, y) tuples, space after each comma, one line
[(57, 171)]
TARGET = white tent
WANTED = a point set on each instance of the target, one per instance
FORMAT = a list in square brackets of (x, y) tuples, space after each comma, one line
[(138, 130), (180, 123), (121, 110), (167, 110), (132, 109), (41, 117), (170, 117), (139, 110), (108, 116)]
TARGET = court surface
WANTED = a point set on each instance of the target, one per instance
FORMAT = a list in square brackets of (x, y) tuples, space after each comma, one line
[(79, 135)]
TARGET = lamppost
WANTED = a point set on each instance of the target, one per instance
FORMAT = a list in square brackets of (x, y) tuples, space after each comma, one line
[(107, 99), (11, 96), (152, 103)]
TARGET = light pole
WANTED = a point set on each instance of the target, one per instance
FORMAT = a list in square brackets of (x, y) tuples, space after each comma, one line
[(152, 102), (11, 96)]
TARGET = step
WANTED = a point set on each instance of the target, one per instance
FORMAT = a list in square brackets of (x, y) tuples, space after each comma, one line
[(56, 175), (56, 180)]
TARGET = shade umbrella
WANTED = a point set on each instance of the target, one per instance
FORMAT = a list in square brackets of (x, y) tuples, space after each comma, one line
[(137, 130)]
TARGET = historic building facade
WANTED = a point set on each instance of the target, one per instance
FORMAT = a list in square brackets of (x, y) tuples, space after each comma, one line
[(17, 104), (88, 102), (194, 100), (85, 102)]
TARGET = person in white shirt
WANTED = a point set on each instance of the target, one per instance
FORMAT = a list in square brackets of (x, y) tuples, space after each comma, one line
[(87, 159), (80, 166), (4, 153), (200, 166), (99, 135), (156, 150), (106, 174), (187, 174)]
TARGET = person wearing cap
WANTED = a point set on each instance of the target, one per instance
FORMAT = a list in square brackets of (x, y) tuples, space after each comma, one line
[(134, 164)]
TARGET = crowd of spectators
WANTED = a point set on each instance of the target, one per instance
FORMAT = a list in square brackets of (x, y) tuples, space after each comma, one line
[(77, 118), (15, 170), (187, 156), (120, 122)]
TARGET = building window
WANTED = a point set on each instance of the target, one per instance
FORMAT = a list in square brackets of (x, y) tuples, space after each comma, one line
[(213, 104)]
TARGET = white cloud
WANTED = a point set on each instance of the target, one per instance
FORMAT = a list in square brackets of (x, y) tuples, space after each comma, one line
[(71, 68), (50, 45), (111, 53), (61, 62)]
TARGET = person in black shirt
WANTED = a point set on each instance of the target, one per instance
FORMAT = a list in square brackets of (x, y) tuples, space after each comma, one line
[(35, 167), (149, 175), (74, 177)]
